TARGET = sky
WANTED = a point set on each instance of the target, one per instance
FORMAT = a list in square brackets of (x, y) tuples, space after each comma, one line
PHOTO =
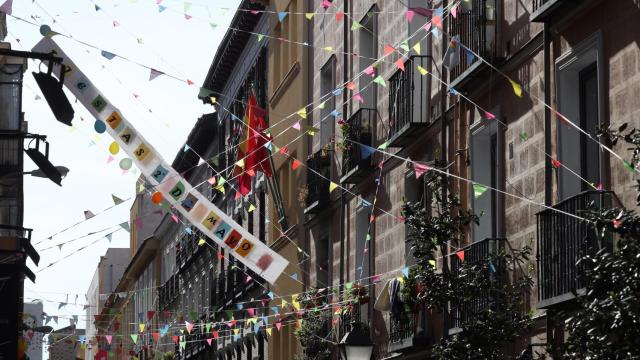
[(164, 112)]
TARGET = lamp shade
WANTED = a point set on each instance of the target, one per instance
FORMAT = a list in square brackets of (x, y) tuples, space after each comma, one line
[(55, 96)]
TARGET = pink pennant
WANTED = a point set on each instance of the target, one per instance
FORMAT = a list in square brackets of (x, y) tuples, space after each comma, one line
[(278, 325), (190, 82), (370, 70), (400, 64), (136, 96), (339, 16), (358, 97), (109, 159), (251, 312), (109, 338), (248, 279), (189, 326), (460, 255), (174, 218), (420, 169), (187, 16), (326, 4), (115, 23), (158, 2), (427, 27), (410, 15), (296, 125), (209, 341), (489, 116), (351, 86)]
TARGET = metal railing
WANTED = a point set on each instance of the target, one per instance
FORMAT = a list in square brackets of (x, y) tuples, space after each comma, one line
[(475, 253), (409, 98), (563, 239), (318, 186), (168, 292), (347, 319), (476, 27), (360, 130), (537, 4), (401, 330)]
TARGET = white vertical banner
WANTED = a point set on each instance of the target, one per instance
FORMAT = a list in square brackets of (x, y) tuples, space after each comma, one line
[(194, 206)]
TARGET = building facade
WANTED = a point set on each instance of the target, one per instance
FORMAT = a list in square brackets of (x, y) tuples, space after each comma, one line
[(104, 282)]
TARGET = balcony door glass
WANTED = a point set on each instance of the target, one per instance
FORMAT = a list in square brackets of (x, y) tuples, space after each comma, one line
[(578, 101), (327, 85), (367, 49), (485, 164)]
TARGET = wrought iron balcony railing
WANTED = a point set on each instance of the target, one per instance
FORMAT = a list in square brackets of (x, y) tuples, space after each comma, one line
[(562, 240), (359, 129), (475, 25), (409, 101), (547, 10), (168, 292), (318, 185), (401, 331), (473, 254)]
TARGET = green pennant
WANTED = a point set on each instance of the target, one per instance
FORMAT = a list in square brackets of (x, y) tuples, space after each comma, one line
[(629, 166), (355, 25), (478, 190), (348, 285), (380, 81), (405, 46)]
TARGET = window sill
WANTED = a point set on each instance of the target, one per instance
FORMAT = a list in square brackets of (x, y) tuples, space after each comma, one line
[(284, 84)]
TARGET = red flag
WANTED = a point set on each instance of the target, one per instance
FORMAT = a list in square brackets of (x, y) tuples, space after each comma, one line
[(257, 153), (156, 337), (150, 314)]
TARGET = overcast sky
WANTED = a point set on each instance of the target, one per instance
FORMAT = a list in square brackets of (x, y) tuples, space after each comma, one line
[(170, 43)]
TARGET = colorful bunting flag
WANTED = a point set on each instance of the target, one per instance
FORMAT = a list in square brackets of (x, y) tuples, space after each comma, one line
[(478, 190), (355, 25), (332, 186), (517, 89)]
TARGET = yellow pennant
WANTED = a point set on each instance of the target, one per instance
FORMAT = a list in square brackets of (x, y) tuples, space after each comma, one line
[(517, 89), (422, 70), (332, 186), (416, 48), (201, 242), (328, 48), (269, 331), (303, 113), (141, 326), (309, 16), (251, 208)]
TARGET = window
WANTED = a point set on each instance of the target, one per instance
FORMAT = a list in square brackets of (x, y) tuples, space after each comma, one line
[(578, 100), (327, 85), (486, 165)]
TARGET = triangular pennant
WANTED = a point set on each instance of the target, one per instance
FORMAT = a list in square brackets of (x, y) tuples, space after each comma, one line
[(422, 70), (416, 48), (161, 8), (209, 341), (134, 337), (410, 15), (478, 190), (460, 255), (125, 225), (116, 200), (517, 89), (332, 186), (107, 54), (302, 113), (153, 73), (7, 7), (339, 16), (295, 164), (109, 338), (380, 81), (309, 16), (355, 25), (366, 151), (420, 169), (388, 49), (282, 15)]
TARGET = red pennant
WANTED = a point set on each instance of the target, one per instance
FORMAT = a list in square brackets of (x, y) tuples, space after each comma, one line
[(339, 15), (150, 314), (156, 337), (190, 82), (295, 164), (400, 64), (460, 255), (175, 338), (351, 86), (220, 256), (555, 163), (166, 314), (284, 150), (215, 334), (388, 49)]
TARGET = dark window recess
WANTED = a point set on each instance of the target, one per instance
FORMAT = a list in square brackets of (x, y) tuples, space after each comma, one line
[(358, 130), (318, 175)]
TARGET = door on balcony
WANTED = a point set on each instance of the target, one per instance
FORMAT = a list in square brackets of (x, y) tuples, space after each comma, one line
[(327, 85), (486, 167), (367, 49), (578, 100)]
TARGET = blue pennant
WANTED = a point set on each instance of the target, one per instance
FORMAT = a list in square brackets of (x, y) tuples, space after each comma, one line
[(366, 151)]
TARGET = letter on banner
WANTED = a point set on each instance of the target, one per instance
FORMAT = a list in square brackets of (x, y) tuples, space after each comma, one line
[(193, 206)]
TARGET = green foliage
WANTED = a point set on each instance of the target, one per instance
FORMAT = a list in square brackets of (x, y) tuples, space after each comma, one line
[(316, 325), (486, 329), (607, 324)]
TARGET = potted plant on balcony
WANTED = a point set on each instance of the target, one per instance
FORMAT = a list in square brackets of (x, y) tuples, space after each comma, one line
[(315, 326)]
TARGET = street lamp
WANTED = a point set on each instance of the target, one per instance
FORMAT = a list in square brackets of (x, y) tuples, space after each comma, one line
[(356, 345)]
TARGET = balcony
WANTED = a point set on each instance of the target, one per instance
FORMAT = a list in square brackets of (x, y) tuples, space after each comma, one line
[(562, 240), (475, 253), (318, 186), (358, 130), (401, 331), (548, 10), (476, 27), (168, 292), (409, 101)]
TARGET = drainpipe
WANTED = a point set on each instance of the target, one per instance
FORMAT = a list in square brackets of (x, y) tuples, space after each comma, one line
[(443, 155), (548, 171), (345, 75)]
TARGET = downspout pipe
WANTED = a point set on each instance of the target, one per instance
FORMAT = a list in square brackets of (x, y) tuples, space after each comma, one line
[(345, 76)]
